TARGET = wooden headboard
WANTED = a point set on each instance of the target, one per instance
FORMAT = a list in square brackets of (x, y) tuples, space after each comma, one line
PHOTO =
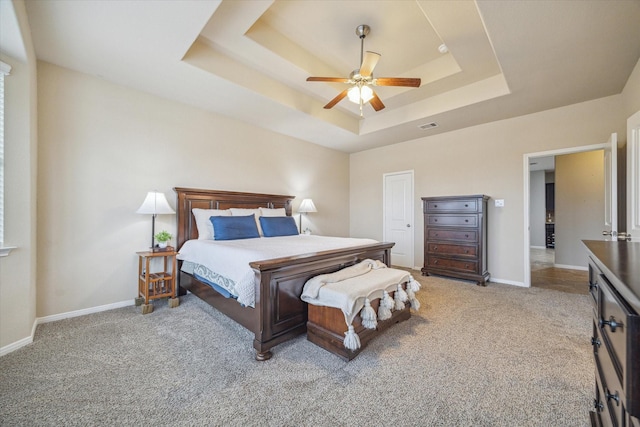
[(189, 198)]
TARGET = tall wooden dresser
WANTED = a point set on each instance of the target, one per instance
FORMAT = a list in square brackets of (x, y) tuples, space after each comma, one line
[(455, 237), (614, 285)]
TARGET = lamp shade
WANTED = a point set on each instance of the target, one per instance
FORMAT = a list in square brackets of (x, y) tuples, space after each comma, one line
[(155, 203), (307, 206)]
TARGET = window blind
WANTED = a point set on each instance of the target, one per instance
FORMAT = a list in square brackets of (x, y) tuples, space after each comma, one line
[(4, 71)]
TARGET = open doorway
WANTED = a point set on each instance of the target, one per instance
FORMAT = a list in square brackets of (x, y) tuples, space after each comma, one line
[(542, 220), (543, 267)]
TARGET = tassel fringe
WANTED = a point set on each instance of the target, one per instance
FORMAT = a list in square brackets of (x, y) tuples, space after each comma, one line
[(415, 304), (386, 305), (368, 315), (413, 284), (402, 294), (351, 339), (400, 298)]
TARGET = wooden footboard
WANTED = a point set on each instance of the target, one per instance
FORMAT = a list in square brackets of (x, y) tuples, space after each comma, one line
[(279, 314), (279, 282)]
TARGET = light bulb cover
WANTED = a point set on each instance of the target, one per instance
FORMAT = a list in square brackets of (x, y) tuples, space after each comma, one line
[(360, 92)]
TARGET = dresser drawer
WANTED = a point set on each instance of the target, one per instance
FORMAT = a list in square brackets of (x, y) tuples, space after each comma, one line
[(460, 235), (454, 264), (610, 393), (452, 220), (612, 324), (459, 205), (594, 273), (452, 249)]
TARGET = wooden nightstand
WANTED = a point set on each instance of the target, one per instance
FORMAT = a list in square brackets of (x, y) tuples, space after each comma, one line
[(161, 284)]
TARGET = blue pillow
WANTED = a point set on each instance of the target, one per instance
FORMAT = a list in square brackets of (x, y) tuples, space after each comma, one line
[(234, 227), (274, 226)]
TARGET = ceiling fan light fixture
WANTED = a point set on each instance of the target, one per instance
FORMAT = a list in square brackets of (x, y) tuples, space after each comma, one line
[(360, 79), (364, 93)]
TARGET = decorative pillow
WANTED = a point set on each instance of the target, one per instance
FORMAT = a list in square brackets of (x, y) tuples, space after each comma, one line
[(245, 212), (278, 226), (203, 224), (273, 212), (234, 227)]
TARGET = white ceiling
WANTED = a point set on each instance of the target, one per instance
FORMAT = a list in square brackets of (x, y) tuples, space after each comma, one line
[(249, 59)]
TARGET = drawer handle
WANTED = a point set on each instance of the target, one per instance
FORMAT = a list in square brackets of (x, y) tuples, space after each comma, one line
[(613, 397), (595, 341), (435, 206), (593, 286), (598, 406), (435, 262), (435, 220), (466, 251), (466, 205), (435, 248), (466, 220), (466, 235), (466, 266), (612, 324)]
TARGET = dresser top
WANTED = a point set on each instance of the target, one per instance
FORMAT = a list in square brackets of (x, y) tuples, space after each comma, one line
[(474, 196), (621, 262)]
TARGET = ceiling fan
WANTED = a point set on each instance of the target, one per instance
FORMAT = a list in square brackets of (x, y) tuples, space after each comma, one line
[(360, 80)]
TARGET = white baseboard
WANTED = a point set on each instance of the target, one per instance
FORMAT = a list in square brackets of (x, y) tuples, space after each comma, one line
[(507, 282), (84, 311), (538, 247), (571, 267), (55, 317), (16, 345)]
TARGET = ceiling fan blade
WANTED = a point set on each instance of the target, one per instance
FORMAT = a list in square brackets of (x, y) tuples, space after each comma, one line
[(328, 79), (396, 81), (376, 103), (337, 99), (369, 63)]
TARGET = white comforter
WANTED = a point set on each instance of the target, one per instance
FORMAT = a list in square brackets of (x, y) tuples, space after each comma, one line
[(231, 258)]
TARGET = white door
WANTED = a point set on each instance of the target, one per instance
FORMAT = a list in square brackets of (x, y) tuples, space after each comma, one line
[(633, 177), (611, 188), (398, 216)]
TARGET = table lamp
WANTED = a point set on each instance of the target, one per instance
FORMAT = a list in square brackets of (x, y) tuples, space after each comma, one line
[(305, 207), (155, 204)]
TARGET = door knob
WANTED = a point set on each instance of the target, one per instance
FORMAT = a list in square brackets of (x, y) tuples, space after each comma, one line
[(408, 225)]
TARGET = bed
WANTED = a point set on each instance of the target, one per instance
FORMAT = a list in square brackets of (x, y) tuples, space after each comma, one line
[(278, 313)]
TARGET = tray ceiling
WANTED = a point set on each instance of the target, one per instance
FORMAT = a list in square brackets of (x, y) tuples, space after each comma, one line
[(249, 59)]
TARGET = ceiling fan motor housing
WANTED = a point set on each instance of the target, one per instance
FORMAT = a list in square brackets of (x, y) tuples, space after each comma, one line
[(362, 31)]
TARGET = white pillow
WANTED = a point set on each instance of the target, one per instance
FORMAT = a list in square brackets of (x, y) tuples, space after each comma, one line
[(203, 223), (247, 212), (273, 212)]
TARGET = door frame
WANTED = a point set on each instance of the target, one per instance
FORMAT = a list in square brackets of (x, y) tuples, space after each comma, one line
[(527, 157), (411, 211)]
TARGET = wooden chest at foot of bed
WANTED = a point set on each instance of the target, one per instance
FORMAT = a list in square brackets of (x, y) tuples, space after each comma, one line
[(326, 328)]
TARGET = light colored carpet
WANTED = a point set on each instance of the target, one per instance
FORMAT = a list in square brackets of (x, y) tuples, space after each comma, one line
[(473, 356)]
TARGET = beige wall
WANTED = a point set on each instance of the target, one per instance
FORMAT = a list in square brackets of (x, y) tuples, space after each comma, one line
[(484, 159), (103, 146), (631, 92), (579, 205), (18, 270)]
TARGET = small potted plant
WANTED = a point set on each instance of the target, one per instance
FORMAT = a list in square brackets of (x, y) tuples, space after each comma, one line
[(163, 238)]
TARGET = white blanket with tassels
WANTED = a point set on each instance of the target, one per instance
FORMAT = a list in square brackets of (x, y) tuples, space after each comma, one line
[(348, 288)]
